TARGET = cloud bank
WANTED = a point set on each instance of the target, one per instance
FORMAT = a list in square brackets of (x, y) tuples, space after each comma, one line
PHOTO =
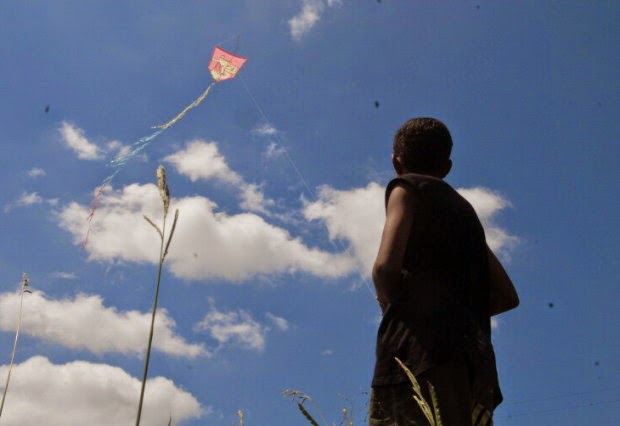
[(85, 323), (80, 392), (207, 243), (210, 243)]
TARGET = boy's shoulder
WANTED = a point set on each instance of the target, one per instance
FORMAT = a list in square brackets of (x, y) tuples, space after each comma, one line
[(418, 182), (433, 190)]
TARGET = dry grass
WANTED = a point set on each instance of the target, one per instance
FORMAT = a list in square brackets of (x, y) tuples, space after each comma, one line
[(431, 411), (164, 193), (24, 289), (432, 415), (300, 398)]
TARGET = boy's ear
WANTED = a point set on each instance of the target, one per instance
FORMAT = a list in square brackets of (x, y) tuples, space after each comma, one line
[(398, 167), (446, 168)]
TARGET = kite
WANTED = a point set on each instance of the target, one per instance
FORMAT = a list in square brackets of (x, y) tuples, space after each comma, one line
[(223, 66)]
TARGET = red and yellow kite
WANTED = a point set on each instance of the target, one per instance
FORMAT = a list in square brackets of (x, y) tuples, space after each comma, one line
[(223, 66)]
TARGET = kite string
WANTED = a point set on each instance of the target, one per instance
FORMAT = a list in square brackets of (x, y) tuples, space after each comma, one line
[(225, 42), (335, 243), (275, 135)]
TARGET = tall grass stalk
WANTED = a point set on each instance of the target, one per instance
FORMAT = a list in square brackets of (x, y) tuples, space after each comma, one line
[(24, 289), (432, 415), (300, 398), (164, 192)]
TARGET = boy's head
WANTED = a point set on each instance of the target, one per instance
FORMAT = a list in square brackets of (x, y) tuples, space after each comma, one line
[(423, 145)]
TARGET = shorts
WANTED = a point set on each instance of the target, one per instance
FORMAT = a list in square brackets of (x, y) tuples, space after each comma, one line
[(393, 405)]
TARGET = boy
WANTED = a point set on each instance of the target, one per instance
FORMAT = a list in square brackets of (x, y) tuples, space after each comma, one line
[(437, 284)]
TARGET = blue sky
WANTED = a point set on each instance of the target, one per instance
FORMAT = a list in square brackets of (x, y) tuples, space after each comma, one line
[(279, 176)]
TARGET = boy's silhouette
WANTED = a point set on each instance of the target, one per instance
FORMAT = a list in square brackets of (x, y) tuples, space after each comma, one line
[(437, 284)]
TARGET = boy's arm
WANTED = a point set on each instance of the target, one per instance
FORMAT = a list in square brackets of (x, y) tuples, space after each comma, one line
[(502, 293), (387, 269)]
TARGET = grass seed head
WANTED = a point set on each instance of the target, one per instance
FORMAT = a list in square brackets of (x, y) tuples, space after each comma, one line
[(164, 192)]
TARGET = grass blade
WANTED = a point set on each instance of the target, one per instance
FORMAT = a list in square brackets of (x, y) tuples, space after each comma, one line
[(174, 226), (417, 396), (161, 235), (25, 283), (306, 414)]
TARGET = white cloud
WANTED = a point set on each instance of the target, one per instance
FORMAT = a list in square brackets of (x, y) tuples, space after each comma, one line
[(64, 275), (28, 199), (201, 160), (307, 18), (327, 352), (357, 216), (274, 150), (253, 199), (207, 243), (266, 129), (36, 172), (233, 327), (279, 322), (42, 393), (309, 15), (85, 323), (73, 137)]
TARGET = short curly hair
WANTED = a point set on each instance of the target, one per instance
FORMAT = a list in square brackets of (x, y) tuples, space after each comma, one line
[(422, 143)]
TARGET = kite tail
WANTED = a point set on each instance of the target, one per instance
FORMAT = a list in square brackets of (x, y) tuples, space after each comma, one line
[(95, 204), (117, 163), (136, 148), (187, 108)]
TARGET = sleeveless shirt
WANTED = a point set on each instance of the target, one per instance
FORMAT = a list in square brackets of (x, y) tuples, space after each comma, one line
[(441, 312)]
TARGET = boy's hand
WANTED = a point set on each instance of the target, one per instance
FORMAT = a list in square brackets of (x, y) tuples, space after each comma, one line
[(502, 293)]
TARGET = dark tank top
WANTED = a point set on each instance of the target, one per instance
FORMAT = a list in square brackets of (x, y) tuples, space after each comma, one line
[(441, 312)]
